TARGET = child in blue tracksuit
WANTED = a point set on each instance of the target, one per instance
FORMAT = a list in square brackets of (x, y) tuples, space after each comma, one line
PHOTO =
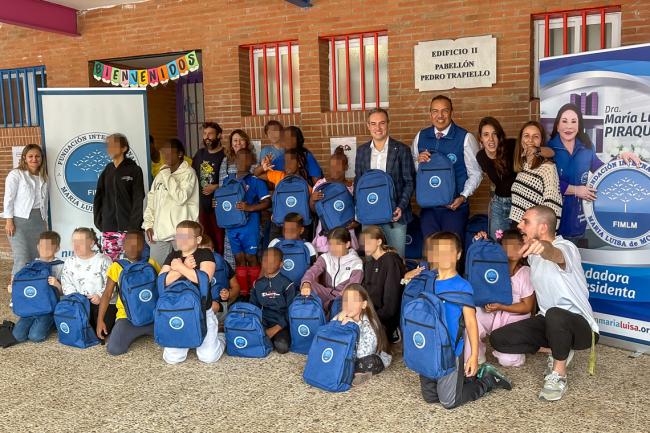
[(443, 250), (245, 240), (273, 293), (37, 328)]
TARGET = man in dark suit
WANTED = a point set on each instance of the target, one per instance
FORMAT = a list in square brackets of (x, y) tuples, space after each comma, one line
[(393, 157)]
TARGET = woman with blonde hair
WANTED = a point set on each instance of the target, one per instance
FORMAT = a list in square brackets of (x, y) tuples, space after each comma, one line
[(25, 205)]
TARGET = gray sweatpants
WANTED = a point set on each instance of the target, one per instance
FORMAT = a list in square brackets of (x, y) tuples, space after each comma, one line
[(452, 390), (24, 241), (159, 250), (123, 334)]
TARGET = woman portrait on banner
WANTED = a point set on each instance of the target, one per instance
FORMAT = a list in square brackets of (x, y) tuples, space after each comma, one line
[(25, 205), (575, 158)]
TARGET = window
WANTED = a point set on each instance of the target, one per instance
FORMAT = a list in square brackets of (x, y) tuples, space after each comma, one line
[(19, 106), (189, 94), (275, 86), (358, 66), (574, 31)]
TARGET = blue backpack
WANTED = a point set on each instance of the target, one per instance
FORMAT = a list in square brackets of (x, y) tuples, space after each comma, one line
[(488, 272), (414, 240), (432, 328), (31, 294), (425, 281), (336, 208), (291, 195), (71, 317), (245, 335), (374, 196), (226, 197), (330, 361), (435, 182), (296, 259), (220, 278), (305, 317), (138, 291), (179, 318), (477, 223)]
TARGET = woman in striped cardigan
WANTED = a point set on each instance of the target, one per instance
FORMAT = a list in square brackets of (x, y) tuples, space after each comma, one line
[(537, 181)]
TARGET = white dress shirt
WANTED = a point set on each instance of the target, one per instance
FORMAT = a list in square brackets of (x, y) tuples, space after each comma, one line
[(378, 157), (471, 148)]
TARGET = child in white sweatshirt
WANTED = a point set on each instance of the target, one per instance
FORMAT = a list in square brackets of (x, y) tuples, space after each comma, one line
[(174, 197), (85, 273)]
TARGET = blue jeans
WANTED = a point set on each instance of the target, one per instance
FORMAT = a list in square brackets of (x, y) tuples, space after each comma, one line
[(499, 214), (395, 236), (35, 328)]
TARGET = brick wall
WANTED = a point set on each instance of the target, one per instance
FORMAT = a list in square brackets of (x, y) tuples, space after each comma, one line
[(219, 27)]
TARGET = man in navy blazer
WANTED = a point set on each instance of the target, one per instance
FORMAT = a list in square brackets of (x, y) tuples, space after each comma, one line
[(393, 157)]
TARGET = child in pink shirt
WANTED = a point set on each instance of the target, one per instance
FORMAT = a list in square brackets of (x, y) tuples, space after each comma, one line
[(494, 316)]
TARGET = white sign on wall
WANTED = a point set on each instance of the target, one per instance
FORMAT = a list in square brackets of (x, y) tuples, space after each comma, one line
[(461, 63), (349, 148), (16, 154), (75, 123)]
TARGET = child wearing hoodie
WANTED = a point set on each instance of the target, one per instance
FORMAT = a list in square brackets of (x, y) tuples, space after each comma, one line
[(174, 197), (340, 267), (117, 207)]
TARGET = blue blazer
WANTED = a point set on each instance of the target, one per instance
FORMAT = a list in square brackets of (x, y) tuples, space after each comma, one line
[(399, 166)]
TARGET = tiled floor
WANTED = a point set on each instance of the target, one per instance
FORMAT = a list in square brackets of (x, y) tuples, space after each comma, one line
[(48, 387)]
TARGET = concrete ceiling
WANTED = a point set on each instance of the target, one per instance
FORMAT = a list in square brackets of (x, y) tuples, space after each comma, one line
[(82, 5)]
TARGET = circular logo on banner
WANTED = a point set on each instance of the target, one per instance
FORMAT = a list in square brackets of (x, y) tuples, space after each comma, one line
[(226, 206), (30, 291), (434, 181), (78, 166), (620, 215), (339, 205), (240, 342), (491, 276), (452, 157), (145, 295), (303, 330), (291, 201), (419, 340), (372, 198), (327, 355), (64, 328), (176, 323), (288, 265), (408, 240)]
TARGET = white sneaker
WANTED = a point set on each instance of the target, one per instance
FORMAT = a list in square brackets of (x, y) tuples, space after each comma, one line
[(554, 387), (550, 360)]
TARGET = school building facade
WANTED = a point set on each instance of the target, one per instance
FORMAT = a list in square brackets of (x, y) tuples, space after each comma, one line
[(240, 84)]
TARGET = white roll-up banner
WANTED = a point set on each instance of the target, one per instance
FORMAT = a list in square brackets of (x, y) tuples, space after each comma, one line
[(74, 125)]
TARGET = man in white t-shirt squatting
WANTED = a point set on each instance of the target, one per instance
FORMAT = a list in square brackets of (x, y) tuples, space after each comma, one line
[(565, 321)]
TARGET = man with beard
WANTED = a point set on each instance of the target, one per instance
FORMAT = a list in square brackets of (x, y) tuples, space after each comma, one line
[(206, 163), (565, 321)]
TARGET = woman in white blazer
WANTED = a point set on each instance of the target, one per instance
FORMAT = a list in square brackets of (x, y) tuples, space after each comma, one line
[(25, 205)]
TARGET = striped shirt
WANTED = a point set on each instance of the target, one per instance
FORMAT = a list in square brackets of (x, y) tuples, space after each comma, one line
[(532, 187)]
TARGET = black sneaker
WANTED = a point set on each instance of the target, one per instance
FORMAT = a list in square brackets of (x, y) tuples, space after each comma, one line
[(395, 337), (493, 378)]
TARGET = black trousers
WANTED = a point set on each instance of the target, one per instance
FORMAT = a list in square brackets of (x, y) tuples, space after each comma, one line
[(369, 364), (454, 389), (559, 329), (109, 317), (282, 340)]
